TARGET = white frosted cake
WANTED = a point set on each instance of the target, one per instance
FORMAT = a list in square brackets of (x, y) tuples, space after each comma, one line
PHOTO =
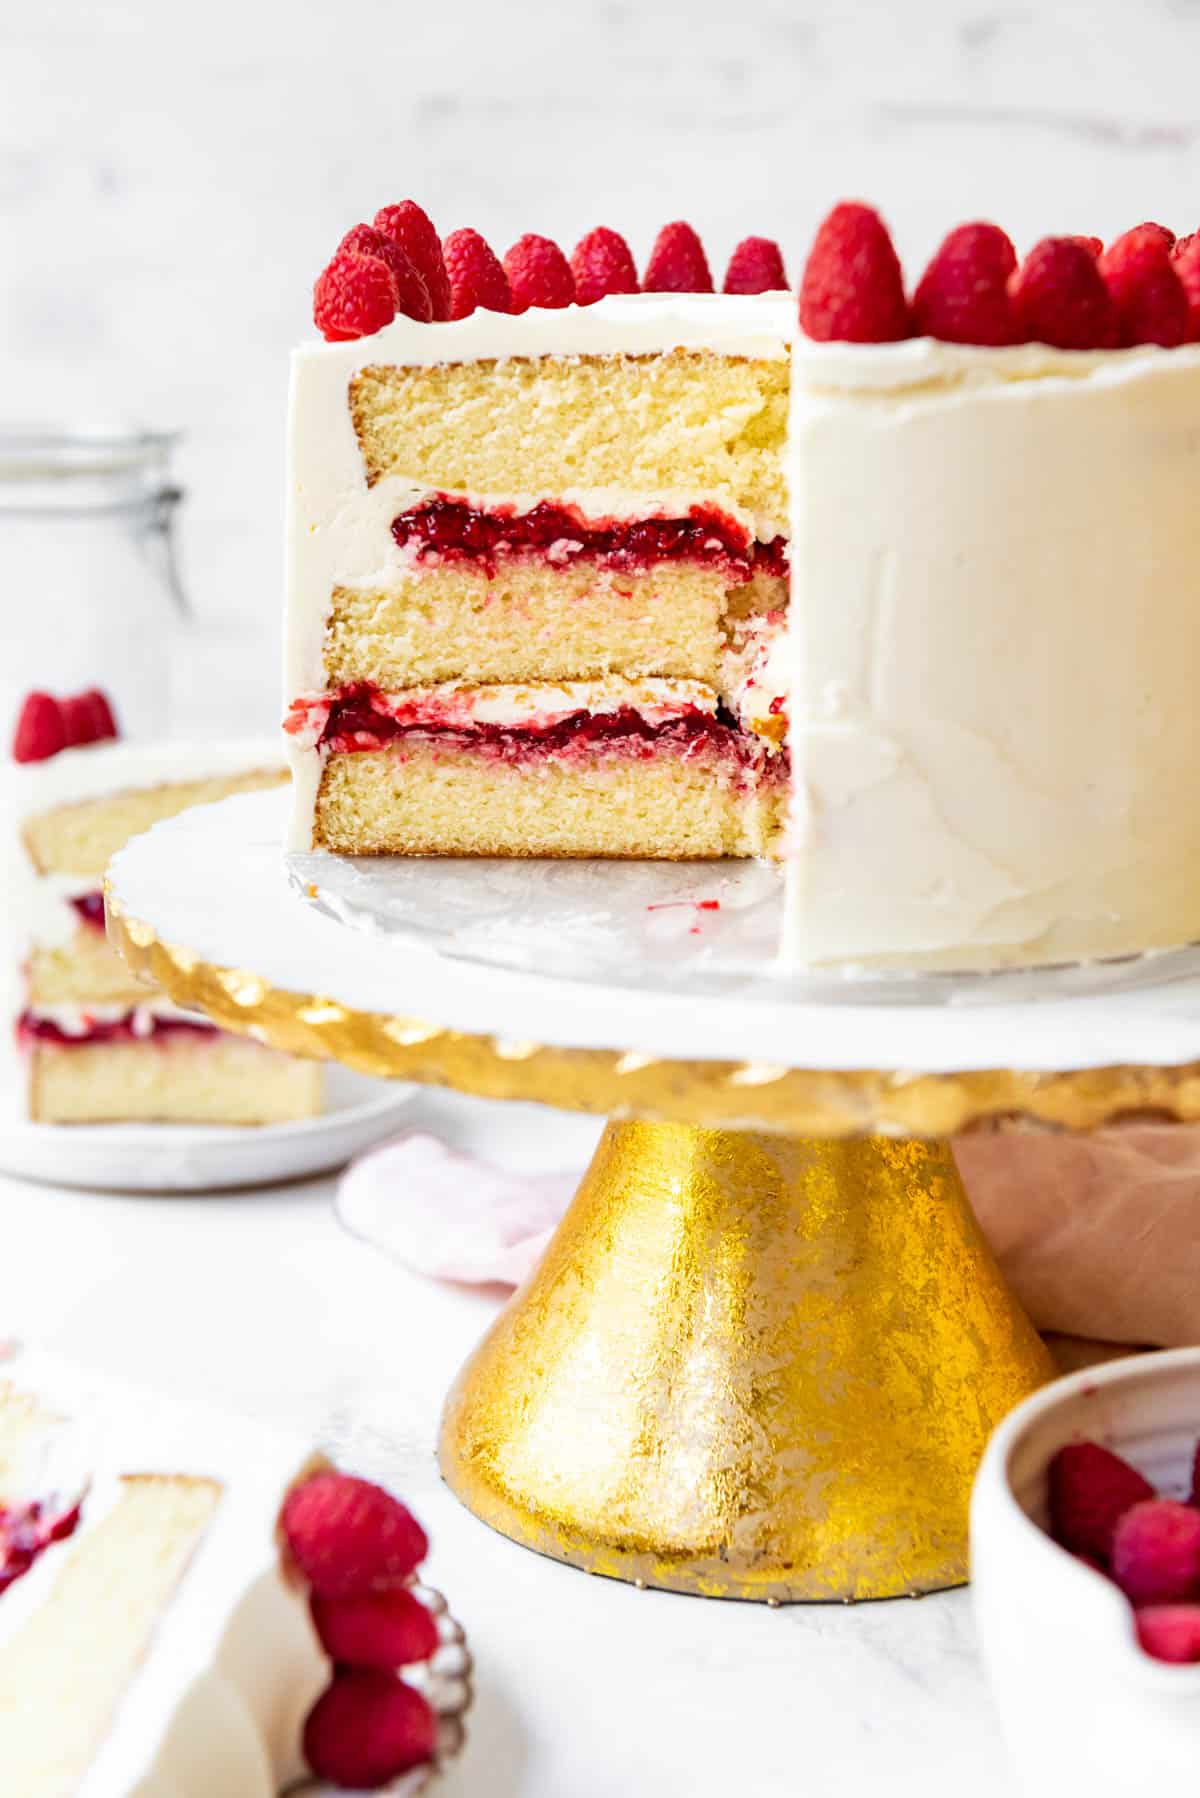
[(898, 591), (88, 1043), (158, 1634)]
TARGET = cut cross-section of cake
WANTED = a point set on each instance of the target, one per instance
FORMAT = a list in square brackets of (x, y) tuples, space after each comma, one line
[(91, 1044), (899, 589), (167, 1631), (527, 556)]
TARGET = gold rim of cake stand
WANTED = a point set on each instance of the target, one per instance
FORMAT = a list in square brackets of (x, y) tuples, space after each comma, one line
[(734, 1095)]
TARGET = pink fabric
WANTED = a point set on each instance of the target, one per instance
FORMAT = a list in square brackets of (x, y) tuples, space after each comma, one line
[(1098, 1235)]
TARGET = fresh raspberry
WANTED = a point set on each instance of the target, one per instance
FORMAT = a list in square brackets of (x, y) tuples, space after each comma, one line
[(1163, 233), (602, 263), (1170, 1632), (412, 229), (1059, 297), (538, 274), (756, 266), (411, 291), (1156, 1552), (348, 1536), (476, 278), (1186, 263), (41, 730), (677, 262), (963, 295), (852, 290), (355, 296), (377, 1629), (87, 718), (1090, 1490), (366, 1729), (1150, 301), (1093, 245)]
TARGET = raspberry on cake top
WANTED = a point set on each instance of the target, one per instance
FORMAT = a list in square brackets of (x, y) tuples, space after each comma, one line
[(553, 542)]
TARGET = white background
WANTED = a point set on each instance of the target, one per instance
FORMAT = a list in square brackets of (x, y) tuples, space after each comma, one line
[(172, 179)]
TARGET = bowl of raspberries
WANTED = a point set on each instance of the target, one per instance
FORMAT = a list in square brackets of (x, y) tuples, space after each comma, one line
[(1085, 1565)]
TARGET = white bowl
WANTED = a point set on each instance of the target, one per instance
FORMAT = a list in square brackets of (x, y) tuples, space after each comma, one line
[(1084, 1710)]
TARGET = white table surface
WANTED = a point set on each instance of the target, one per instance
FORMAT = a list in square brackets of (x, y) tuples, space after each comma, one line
[(586, 1688)]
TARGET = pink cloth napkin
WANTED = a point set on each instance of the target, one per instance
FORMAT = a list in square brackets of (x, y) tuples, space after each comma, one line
[(1098, 1235)]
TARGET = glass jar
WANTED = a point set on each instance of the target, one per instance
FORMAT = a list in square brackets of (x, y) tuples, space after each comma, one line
[(88, 572)]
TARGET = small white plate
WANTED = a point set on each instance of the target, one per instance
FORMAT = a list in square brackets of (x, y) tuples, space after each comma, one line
[(208, 1157)]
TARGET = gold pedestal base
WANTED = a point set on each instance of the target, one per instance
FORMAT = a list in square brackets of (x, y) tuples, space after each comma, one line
[(748, 1367)]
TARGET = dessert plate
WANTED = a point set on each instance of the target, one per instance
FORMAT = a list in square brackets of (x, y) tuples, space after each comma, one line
[(208, 1157)]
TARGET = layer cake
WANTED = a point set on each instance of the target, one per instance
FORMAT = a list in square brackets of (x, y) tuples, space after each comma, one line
[(679, 574)]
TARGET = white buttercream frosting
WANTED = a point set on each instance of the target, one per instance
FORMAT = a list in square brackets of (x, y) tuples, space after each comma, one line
[(994, 649)]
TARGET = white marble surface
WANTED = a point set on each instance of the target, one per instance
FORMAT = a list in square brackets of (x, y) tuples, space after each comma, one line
[(172, 178), (258, 1302)]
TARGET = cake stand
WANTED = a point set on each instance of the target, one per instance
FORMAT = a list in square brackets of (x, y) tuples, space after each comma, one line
[(767, 1345)]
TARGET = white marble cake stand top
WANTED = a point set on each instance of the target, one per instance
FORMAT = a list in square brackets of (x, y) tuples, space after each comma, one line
[(213, 881)]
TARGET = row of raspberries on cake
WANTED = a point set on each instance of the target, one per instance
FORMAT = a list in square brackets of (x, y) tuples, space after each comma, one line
[(1070, 292), (1108, 1515), (45, 725), (398, 264)]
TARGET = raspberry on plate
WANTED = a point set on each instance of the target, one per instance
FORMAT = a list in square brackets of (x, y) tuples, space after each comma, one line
[(677, 262), (538, 274), (852, 289), (355, 296), (963, 295), (1090, 1490), (1170, 1632), (1059, 297), (413, 231), (389, 1628), (602, 263), (348, 1536), (756, 266), (366, 1729), (476, 277), (1156, 1552)]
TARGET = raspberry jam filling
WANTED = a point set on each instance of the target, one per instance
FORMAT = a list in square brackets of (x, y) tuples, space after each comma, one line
[(450, 530), (26, 1531), (90, 907), (131, 1027), (358, 718)]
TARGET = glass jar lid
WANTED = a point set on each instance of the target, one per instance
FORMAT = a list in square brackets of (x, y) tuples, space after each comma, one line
[(65, 470)]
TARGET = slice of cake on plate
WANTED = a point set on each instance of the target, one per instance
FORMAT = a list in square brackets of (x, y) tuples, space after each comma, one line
[(92, 1045), (899, 588), (219, 1626)]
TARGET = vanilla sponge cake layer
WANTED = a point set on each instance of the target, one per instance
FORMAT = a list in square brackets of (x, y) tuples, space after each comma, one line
[(206, 1077), (530, 621), (81, 838), (85, 970), (685, 420), (430, 796), (63, 1674)]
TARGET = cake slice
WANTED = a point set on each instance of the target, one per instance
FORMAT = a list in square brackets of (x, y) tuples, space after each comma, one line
[(92, 1044), (163, 1635)]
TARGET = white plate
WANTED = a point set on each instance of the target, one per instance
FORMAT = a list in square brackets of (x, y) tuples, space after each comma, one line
[(206, 1157)]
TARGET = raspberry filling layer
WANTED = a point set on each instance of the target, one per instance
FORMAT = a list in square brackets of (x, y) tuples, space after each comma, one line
[(90, 907), (26, 1531), (360, 719), (131, 1027), (450, 530)]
